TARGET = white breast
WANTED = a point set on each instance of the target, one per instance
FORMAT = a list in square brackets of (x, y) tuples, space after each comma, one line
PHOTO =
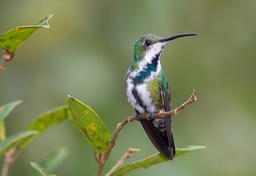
[(131, 99), (144, 95)]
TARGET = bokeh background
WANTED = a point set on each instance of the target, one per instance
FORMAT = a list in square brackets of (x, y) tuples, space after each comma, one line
[(86, 53)]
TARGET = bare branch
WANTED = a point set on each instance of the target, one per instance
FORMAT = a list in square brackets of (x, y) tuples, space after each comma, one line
[(126, 156), (9, 158), (6, 56), (103, 159), (98, 157)]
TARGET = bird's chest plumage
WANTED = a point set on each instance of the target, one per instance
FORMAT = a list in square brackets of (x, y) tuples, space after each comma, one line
[(143, 96), (142, 87)]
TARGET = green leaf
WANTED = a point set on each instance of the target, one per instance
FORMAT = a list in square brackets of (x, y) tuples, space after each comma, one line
[(14, 140), (2, 130), (46, 120), (152, 160), (4, 112), (12, 39), (7, 108), (39, 169), (52, 159), (89, 123)]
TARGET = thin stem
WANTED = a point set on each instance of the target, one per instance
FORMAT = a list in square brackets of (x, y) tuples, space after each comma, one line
[(126, 156), (6, 56), (103, 159), (9, 158)]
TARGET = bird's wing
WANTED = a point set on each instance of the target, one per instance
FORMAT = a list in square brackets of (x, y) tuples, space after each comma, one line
[(159, 130), (166, 99)]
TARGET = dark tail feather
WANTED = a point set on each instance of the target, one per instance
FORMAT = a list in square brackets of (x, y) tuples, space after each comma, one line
[(163, 143), (168, 122)]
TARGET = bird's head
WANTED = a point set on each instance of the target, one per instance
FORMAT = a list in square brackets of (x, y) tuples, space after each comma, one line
[(149, 46)]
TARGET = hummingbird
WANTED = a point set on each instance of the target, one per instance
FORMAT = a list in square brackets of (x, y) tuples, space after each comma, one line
[(148, 92)]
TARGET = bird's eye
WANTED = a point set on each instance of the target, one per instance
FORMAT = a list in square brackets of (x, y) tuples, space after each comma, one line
[(148, 42)]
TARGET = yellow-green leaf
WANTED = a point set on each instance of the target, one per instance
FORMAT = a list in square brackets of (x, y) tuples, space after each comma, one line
[(14, 140), (12, 39), (89, 123), (152, 160), (46, 120)]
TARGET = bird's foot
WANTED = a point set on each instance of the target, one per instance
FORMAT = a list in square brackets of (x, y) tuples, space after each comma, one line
[(151, 116), (137, 117)]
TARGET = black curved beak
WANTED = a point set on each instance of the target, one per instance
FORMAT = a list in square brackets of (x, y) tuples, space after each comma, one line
[(176, 36)]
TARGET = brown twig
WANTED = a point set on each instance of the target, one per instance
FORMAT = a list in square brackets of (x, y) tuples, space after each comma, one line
[(6, 56), (126, 156), (103, 159), (9, 158)]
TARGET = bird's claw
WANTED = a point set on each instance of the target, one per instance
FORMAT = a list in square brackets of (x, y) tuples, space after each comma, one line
[(151, 116), (138, 117)]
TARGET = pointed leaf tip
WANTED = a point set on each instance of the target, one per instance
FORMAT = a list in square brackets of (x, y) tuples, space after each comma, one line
[(6, 109), (44, 22), (71, 97), (13, 38)]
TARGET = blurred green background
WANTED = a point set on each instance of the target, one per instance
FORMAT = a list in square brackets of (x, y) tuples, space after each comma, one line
[(86, 53)]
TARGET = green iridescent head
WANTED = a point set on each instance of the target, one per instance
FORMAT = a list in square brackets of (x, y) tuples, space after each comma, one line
[(150, 45), (143, 44), (148, 42)]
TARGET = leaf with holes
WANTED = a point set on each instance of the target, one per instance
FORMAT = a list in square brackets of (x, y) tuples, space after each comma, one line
[(89, 123)]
